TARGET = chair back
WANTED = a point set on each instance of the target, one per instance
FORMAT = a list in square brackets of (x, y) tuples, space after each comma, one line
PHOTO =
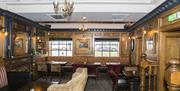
[(131, 68), (92, 69), (116, 68), (41, 66), (113, 76), (3, 77), (55, 68)]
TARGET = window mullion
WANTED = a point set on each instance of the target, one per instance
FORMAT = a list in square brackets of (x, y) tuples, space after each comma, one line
[(102, 49), (109, 49), (66, 48)]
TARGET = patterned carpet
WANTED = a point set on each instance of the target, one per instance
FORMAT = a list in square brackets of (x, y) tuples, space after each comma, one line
[(103, 82)]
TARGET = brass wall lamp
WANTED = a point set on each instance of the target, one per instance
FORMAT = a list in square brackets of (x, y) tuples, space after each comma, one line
[(3, 28)]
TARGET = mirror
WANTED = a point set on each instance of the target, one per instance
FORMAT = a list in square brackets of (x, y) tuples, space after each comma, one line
[(151, 42), (132, 45)]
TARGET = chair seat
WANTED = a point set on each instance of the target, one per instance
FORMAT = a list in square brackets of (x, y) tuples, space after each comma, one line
[(122, 81), (122, 84), (91, 75)]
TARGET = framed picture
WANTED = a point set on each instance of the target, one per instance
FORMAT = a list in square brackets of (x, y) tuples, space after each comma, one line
[(19, 43), (82, 46)]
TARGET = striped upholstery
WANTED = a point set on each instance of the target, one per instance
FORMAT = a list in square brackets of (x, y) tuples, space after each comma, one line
[(3, 77)]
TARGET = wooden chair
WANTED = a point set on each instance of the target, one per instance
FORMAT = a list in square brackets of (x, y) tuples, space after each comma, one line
[(118, 84), (42, 69), (116, 68), (55, 69), (92, 71)]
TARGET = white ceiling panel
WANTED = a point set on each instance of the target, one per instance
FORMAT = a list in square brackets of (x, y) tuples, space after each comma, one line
[(94, 10)]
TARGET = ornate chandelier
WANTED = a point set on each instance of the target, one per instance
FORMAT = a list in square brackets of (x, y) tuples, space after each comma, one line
[(83, 28), (67, 9)]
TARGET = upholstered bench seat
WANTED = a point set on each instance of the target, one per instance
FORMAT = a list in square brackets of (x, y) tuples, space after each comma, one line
[(77, 83)]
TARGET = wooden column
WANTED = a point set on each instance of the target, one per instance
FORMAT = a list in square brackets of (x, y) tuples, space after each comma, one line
[(30, 29), (8, 38)]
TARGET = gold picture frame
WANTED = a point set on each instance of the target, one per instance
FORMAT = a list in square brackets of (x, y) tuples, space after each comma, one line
[(83, 46), (19, 43)]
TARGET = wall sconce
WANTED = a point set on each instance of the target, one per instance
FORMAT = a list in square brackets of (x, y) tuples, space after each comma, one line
[(156, 31), (3, 28), (1, 24), (38, 38), (48, 33), (83, 37), (144, 32), (129, 37), (134, 37), (5, 33)]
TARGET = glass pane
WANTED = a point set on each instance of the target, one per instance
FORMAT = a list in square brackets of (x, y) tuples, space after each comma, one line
[(114, 48), (115, 43), (105, 54), (106, 43), (98, 53), (69, 48), (69, 53), (62, 47), (55, 47), (114, 54), (69, 42), (62, 42), (98, 47), (50, 47), (55, 42), (54, 53), (98, 43), (50, 42), (62, 53), (50, 53), (106, 48)]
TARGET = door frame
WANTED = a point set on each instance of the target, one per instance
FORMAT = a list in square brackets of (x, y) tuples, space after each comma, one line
[(162, 56)]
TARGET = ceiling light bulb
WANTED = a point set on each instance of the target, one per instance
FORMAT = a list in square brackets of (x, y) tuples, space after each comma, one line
[(84, 18), (56, 3)]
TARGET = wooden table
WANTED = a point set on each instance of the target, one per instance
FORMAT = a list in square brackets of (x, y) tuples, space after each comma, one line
[(57, 62), (112, 63)]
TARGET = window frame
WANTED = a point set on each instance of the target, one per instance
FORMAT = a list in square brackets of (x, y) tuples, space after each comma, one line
[(59, 43), (102, 40)]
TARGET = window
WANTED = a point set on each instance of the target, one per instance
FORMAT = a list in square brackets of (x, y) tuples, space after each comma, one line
[(60, 47), (106, 47)]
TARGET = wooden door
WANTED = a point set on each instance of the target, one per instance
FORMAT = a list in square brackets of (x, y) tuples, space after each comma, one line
[(169, 48)]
